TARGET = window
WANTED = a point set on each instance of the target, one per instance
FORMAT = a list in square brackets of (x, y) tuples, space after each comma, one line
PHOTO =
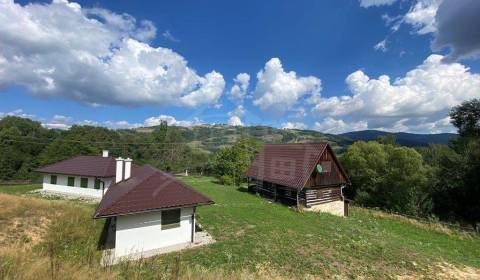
[(53, 179), (170, 219), (326, 166), (84, 182), (97, 183), (71, 181)]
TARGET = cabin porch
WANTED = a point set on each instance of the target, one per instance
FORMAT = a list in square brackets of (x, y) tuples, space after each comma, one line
[(317, 198)]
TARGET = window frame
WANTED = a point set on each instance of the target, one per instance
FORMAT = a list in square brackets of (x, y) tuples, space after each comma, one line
[(53, 179), (172, 221), (82, 180), (72, 182)]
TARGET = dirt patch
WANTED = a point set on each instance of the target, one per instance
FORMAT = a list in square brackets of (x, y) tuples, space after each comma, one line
[(24, 231), (446, 270)]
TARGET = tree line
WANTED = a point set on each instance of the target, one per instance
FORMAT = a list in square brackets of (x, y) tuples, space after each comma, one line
[(438, 181), (25, 145)]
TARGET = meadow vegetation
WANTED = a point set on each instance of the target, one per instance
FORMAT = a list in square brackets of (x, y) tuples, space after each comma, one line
[(256, 239)]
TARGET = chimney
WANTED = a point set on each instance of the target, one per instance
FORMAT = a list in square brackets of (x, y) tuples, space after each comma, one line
[(119, 170), (105, 153), (128, 168)]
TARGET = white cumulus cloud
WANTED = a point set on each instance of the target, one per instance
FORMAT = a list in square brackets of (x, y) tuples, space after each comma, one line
[(235, 116), (153, 121), (96, 57), (240, 86), (294, 125), (422, 16), (277, 90), (337, 126), (423, 96)]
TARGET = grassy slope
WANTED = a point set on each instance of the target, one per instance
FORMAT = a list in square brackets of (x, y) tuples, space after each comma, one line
[(252, 234), (252, 231)]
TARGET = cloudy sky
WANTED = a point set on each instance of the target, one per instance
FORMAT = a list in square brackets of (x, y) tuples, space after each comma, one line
[(332, 66)]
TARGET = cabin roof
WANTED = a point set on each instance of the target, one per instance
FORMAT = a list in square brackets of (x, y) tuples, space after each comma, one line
[(148, 189), (288, 164), (94, 166)]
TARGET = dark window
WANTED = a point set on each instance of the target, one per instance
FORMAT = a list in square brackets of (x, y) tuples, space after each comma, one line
[(71, 181), (53, 179), (97, 183), (170, 219), (84, 182)]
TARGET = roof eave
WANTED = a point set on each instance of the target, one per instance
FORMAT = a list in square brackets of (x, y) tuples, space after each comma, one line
[(97, 216), (74, 174)]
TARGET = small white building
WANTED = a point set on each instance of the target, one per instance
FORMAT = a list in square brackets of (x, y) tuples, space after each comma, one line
[(146, 209), (86, 176)]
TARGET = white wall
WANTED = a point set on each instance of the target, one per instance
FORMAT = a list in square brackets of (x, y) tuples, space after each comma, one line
[(139, 233), (62, 185)]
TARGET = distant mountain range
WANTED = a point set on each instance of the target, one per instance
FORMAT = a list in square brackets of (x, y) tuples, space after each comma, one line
[(402, 138), (211, 137)]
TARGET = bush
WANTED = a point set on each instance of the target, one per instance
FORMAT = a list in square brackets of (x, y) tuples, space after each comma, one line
[(226, 180)]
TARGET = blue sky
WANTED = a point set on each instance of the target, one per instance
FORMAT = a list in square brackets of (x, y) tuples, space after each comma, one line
[(317, 60)]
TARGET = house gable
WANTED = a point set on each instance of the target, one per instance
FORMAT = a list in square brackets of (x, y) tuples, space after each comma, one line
[(332, 173)]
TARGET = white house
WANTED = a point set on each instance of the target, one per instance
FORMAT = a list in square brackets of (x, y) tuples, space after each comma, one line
[(146, 209), (88, 176)]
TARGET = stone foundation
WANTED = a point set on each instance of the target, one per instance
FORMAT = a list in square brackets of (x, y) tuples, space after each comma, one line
[(334, 207)]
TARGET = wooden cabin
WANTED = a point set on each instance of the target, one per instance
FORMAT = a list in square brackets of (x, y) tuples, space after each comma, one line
[(307, 174)]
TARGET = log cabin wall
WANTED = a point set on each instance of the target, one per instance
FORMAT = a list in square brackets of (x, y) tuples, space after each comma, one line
[(331, 175), (322, 195)]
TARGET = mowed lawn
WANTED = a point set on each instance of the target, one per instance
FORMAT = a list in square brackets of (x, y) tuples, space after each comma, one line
[(255, 239)]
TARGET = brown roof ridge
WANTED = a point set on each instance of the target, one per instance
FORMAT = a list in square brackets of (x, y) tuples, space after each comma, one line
[(131, 189), (150, 189), (298, 143)]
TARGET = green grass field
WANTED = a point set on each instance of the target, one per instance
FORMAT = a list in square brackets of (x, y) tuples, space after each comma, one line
[(255, 238), (19, 189)]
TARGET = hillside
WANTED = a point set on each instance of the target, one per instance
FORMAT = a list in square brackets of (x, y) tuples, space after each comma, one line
[(402, 138), (45, 238), (211, 137)]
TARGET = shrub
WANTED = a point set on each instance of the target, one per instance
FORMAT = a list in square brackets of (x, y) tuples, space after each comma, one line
[(226, 180)]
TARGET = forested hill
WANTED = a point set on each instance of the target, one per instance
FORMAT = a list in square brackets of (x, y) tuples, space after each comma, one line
[(402, 138), (211, 137), (25, 144)]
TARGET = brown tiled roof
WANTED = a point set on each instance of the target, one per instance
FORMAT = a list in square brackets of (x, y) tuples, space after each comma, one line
[(286, 164), (148, 189), (95, 166)]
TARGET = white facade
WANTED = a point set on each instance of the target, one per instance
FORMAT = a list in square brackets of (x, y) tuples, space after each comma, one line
[(138, 233), (61, 185)]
